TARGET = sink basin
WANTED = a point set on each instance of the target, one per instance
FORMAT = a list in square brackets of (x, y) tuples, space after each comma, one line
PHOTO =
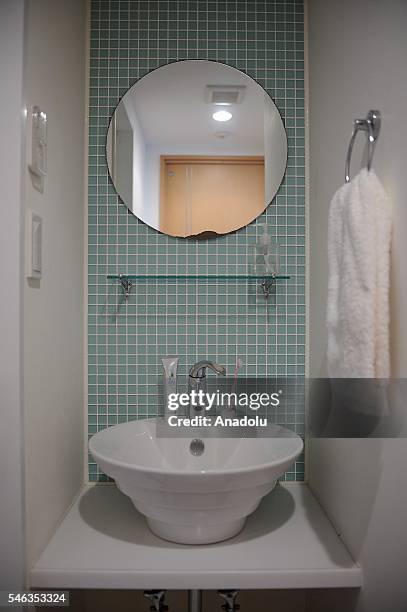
[(187, 498)]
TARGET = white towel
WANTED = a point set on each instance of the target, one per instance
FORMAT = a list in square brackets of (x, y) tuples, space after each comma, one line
[(359, 236)]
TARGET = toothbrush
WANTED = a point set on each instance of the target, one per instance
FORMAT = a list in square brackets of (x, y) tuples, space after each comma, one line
[(239, 364)]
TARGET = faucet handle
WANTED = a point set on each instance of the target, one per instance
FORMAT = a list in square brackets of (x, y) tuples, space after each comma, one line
[(199, 369)]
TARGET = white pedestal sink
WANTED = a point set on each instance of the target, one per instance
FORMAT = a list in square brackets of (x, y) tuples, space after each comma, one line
[(194, 499)]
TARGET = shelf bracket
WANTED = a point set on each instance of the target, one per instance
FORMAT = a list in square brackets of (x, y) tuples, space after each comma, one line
[(266, 286), (229, 597), (126, 285), (157, 599)]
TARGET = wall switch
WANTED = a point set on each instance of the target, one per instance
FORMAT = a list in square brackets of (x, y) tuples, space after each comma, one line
[(34, 245), (37, 147), (37, 141)]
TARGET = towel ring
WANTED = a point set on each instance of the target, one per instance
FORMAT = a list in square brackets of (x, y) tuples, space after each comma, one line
[(371, 125)]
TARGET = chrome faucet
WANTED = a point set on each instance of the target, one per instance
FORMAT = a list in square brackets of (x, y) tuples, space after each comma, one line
[(197, 381)]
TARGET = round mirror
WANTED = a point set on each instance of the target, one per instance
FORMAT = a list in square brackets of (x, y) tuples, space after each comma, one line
[(196, 148)]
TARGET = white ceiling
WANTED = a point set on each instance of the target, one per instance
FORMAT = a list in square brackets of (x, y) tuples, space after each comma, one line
[(171, 108)]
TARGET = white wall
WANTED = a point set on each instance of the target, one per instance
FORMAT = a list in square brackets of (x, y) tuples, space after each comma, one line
[(139, 198), (11, 231), (275, 151), (357, 62), (124, 166), (123, 154), (54, 79)]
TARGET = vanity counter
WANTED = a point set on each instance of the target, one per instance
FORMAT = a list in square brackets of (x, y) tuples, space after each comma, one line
[(103, 542)]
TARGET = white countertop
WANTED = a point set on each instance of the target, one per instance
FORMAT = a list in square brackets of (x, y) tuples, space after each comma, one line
[(103, 542)]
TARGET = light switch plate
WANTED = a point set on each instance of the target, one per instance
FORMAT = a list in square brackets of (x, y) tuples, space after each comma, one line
[(37, 147), (34, 245), (37, 141)]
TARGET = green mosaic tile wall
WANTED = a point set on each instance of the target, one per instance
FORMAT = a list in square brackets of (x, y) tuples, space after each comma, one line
[(221, 321)]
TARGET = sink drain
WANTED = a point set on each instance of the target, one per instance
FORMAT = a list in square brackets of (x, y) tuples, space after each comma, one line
[(196, 447)]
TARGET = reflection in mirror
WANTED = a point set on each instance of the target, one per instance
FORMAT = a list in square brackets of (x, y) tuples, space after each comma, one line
[(196, 148)]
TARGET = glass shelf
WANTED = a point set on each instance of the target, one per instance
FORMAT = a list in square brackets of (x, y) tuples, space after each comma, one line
[(265, 281), (206, 277)]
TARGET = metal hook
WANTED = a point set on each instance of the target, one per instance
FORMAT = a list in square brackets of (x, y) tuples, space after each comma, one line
[(371, 125)]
